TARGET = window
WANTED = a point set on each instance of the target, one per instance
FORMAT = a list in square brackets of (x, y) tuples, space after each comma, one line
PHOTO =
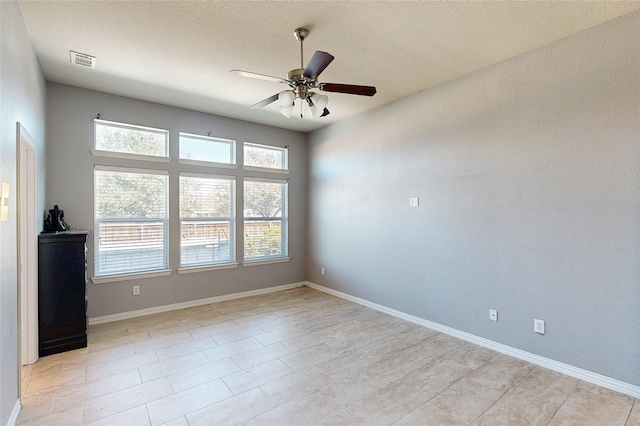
[(265, 157), (207, 220), (265, 219), (195, 148), (131, 221), (129, 139), (131, 203)]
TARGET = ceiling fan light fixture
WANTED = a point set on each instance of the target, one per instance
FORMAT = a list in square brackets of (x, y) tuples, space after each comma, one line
[(317, 104), (286, 97), (286, 110), (320, 101), (286, 100)]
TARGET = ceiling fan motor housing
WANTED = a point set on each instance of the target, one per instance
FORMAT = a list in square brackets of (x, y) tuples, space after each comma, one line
[(300, 83), (295, 76)]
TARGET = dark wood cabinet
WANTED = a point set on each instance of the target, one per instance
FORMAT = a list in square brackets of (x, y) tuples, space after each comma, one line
[(62, 301)]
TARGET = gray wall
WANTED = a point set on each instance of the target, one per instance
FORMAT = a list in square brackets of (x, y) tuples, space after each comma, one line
[(70, 164), (22, 99), (528, 175)]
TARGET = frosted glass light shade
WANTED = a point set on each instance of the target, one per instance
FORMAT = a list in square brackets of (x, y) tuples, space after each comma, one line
[(318, 103), (286, 110), (285, 102)]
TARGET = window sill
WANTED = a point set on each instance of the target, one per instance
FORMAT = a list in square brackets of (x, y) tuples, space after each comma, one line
[(135, 276), (265, 169), (265, 261), (194, 269), (128, 156), (211, 164)]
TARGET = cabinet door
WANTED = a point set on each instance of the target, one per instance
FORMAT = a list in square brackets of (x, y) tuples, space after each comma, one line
[(61, 297)]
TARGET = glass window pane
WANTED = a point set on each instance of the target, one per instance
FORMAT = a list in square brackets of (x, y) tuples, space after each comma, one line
[(265, 220), (130, 139), (265, 156), (263, 239), (203, 148), (130, 195), (131, 222), (207, 221)]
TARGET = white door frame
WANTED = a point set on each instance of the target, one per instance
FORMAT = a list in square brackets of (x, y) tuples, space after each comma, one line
[(27, 247)]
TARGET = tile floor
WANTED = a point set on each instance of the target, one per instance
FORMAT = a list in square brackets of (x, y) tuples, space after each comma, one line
[(300, 357)]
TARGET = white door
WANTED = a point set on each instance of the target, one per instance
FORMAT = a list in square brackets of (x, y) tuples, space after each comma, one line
[(27, 248)]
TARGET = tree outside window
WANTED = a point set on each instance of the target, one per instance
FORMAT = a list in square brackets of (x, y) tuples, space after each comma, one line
[(265, 219)]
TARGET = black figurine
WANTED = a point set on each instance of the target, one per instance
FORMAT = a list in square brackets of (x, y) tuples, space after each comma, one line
[(55, 220)]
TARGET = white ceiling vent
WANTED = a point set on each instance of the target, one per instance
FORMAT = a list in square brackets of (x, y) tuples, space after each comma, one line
[(82, 59)]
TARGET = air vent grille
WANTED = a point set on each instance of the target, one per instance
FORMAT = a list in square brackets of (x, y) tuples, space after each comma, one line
[(83, 60)]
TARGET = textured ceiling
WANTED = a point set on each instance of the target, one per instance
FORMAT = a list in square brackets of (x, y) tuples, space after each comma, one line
[(179, 53)]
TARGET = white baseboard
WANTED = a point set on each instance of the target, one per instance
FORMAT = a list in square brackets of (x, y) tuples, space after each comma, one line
[(569, 370), (190, 304), (13, 418)]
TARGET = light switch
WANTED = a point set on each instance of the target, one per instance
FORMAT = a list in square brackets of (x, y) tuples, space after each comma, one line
[(4, 206)]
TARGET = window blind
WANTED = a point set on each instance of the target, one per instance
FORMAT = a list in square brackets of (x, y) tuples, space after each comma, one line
[(131, 221), (207, 220)]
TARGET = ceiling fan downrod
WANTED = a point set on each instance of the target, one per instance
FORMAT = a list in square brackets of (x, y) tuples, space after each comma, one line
[(301, 34)]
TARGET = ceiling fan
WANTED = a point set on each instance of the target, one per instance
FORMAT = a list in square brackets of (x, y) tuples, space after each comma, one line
[(302, 81)]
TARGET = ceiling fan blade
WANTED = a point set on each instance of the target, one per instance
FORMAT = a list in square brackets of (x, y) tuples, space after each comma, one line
[(258, 76), (317, 64), (265, 102), (350, 89), (324, 113)]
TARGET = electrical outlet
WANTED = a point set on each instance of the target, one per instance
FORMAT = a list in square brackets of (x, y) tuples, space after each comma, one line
[(321, 271), (538, 326), (493, 314), (414, 202), (136, 290)]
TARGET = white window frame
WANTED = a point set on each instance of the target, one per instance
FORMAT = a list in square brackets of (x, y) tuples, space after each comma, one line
[(232, 219), (190, 161), (285, 158), (128, 155), (146, 273), (261, 260)]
